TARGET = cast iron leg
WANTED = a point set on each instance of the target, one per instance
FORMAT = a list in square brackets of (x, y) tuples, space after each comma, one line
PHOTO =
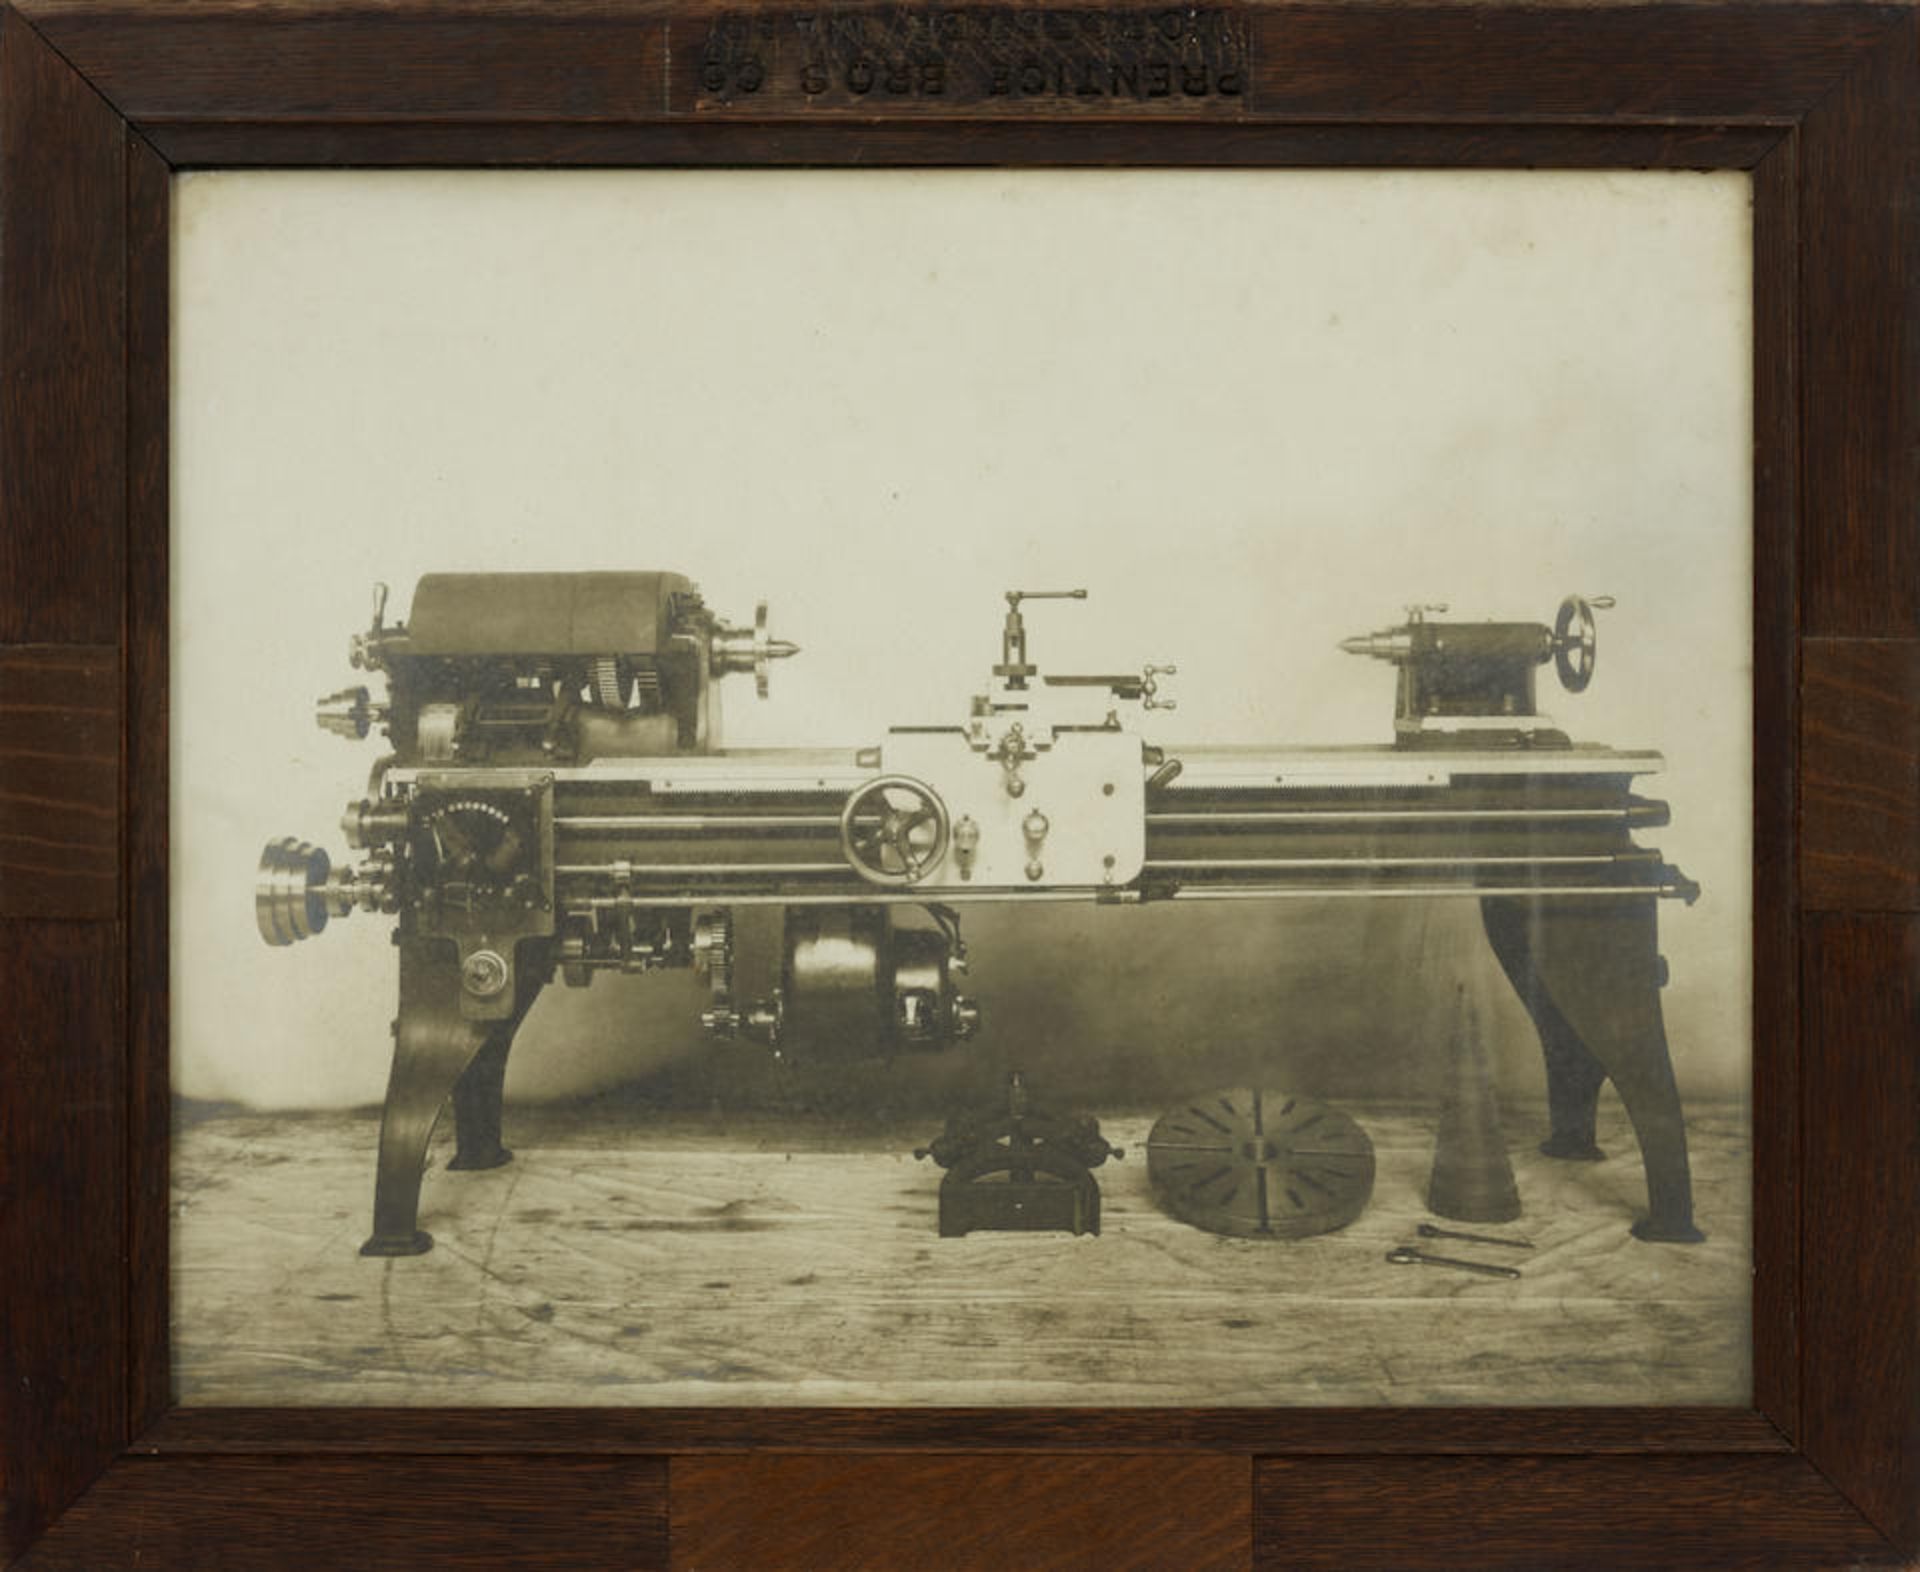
[(434, 1049), (1589, 973), (476, 1105), (1574, 1076)]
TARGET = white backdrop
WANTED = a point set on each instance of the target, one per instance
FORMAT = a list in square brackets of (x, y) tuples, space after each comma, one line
[(1251, 412)]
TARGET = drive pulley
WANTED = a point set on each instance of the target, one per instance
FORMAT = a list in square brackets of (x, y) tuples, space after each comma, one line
[(298, 888), (290, 892)]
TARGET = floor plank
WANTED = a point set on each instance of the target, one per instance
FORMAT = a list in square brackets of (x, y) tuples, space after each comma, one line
[(685, 1260)]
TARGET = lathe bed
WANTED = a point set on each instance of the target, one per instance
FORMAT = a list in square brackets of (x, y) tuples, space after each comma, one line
[(763, 827)]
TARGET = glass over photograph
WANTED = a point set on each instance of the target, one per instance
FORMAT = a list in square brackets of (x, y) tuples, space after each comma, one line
[(1127, 789)]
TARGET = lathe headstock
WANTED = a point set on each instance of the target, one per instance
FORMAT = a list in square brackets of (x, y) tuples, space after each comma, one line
[(494, 675), (563, 668)]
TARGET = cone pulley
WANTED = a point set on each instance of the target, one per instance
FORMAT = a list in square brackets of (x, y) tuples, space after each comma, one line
[(289, 894), (298, 888)]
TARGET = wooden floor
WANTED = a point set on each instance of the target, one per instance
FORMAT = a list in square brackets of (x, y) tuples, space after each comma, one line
[(627, 1258)]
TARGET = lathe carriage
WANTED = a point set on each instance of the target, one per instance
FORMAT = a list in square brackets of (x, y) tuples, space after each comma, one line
[(557, 802)]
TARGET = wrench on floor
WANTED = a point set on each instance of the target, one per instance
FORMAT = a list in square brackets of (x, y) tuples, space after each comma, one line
[(1406, 1255), (1429, 1231)]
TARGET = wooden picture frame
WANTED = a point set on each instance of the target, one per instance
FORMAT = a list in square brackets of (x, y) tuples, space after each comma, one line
[(100, 101)]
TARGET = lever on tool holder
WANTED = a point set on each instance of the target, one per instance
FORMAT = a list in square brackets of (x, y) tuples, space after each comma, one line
[(1014, 665)]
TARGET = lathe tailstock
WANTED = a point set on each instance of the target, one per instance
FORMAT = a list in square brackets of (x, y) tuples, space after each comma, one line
[(557, 802)]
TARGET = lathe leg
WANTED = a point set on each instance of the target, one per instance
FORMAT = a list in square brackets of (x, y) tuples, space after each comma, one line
[(476, 1106), (1574, 1076), (1589, 973), (434, 1049)]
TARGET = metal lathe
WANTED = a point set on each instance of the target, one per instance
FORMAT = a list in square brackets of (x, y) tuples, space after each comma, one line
[(557, 801)]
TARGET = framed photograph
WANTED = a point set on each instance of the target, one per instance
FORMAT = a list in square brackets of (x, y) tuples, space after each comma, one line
[(1113, 781), (808, 936)]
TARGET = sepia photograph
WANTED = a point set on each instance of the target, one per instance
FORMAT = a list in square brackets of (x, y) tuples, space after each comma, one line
[(1113, 789)]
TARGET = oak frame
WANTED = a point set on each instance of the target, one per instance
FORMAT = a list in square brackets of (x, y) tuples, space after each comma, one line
[(100, 101)]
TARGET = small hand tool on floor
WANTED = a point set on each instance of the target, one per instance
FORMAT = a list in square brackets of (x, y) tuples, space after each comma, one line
[(1406, 1255), (1429, 1231)]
